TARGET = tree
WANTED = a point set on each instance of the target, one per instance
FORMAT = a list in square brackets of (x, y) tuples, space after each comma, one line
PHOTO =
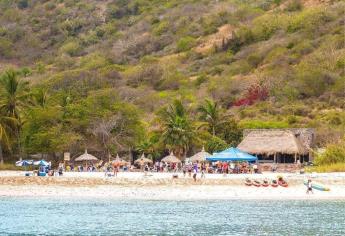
[(210, 113), (41, 97), (230, 132), (14, 97), (177, 128), (149, 146), (5, 132), (46, 131), (215, 144), (14, 94), (115, 125), (219, 124), (102, 129)]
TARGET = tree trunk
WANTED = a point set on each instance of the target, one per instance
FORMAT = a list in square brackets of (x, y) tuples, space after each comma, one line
[(130, 155), (1, 155), (19, 143)]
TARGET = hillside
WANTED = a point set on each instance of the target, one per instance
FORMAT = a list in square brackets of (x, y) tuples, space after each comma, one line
[(100, 72)]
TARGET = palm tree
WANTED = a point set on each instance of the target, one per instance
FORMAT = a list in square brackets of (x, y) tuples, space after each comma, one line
[(148, 146), (5, 132), (177, 128), (41, 97), (14, 96), (210, 113)]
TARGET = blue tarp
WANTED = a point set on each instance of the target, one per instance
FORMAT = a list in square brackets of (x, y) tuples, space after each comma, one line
[(231, 154), (41, 163)]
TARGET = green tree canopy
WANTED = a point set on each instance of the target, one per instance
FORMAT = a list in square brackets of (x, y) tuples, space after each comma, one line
[(177, 128)]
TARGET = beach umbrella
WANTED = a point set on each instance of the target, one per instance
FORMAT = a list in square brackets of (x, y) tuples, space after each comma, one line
[(231, 154), (86, 157), (119, 161), (143, 160), (171, 159), (24, 163), (41, 163), (200, 156)]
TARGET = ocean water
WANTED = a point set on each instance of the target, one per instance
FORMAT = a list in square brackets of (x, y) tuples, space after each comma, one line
[(65, 216)]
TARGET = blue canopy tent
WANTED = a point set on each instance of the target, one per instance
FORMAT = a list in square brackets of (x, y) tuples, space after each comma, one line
[(41, 163), (232, 154), (42, 171)]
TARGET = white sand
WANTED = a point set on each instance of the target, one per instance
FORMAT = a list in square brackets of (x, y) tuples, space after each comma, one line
[(185, 189), (172, 193)]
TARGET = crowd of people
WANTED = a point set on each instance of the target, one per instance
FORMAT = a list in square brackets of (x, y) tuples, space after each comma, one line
[(207, 167), (186, 168)]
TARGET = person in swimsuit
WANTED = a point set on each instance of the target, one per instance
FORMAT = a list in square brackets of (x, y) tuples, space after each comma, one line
[(116, 169)]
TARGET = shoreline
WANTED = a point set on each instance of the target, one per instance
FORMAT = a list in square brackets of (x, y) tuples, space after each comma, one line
[(161, 186), (170, 193)]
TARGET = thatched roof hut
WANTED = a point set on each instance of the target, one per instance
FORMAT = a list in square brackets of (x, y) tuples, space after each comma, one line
[(143, 160), (200, 156), (171, 159), (86, 157), (272, 141), (285, 145)]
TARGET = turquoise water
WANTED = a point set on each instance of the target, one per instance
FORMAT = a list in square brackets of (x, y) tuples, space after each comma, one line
[(43, 216)]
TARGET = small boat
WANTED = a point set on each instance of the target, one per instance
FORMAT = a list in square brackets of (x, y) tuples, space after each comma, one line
[(317, 186), (274, 183), (283, 183), (265, 183), (248, 182), (257, 183)]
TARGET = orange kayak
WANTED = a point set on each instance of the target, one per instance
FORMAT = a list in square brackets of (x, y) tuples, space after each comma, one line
[(274, 184), (248, 182), (257, 183), (283, 184)]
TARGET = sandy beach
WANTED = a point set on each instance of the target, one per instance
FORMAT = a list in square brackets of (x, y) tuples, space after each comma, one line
[(161, 186)]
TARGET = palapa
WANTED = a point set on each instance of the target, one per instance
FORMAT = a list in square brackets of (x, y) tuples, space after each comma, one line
[(143, 160), (272, 141), (200, 156), (119, 161), (171, 159), (86, 157)]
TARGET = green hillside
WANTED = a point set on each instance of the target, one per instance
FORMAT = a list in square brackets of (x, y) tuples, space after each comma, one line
[(157, 75)]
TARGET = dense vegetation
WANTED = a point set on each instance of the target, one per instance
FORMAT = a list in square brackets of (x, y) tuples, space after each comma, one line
[(332, 159), (134, 76)]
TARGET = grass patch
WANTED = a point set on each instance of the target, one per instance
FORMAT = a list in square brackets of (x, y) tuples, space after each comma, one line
[(7, 166), (337, 167)]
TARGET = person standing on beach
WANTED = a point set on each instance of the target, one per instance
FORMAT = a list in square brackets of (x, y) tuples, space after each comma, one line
[(189, 170), (255, 168), (309, 187), (184, 170), (195, 171), (116, 169), (161, 167), (157, 166), (203, 169)]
